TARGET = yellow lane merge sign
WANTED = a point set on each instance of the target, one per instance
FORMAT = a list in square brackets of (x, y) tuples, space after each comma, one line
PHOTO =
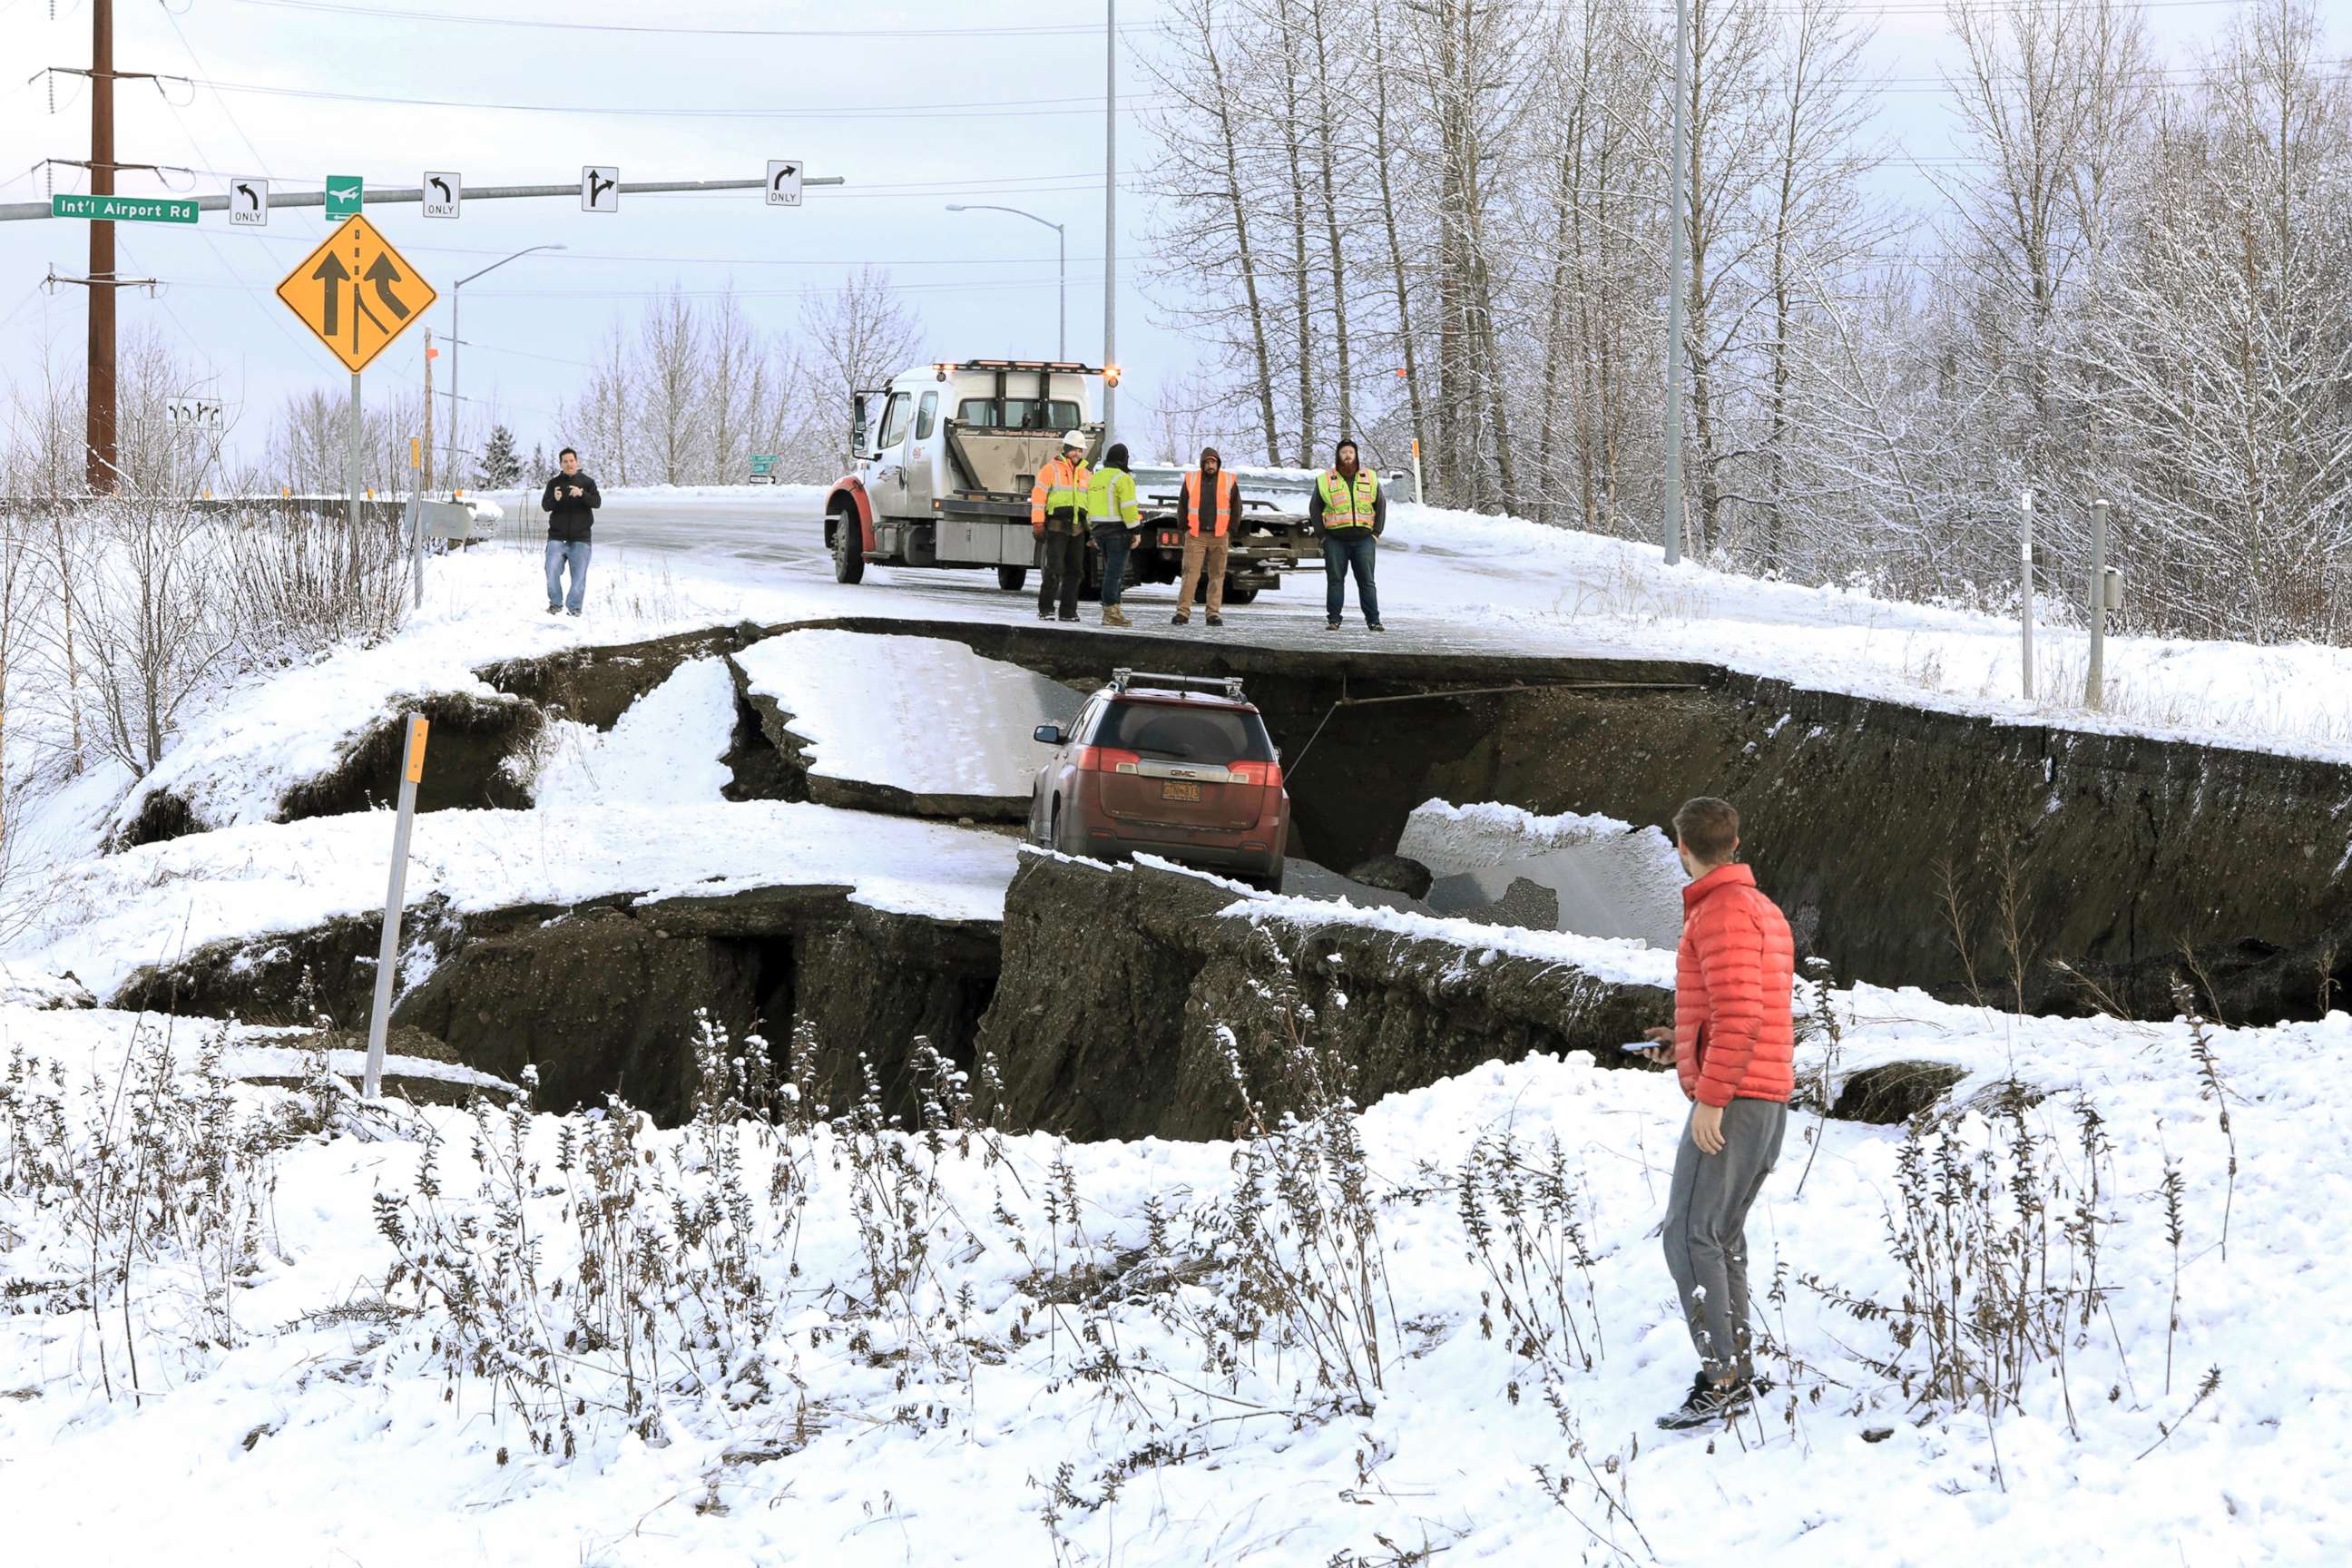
[(356, 292)]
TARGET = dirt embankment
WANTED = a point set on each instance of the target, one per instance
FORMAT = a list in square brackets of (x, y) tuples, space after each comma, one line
[(1910, 846), (1128, 1002)]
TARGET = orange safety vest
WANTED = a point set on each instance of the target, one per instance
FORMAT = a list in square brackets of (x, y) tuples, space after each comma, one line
[(1061, 487), (1227, 500)]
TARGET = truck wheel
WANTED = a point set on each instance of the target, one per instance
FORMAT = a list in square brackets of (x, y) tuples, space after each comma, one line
[(1239, 595), (1012, 578), (849, 557)]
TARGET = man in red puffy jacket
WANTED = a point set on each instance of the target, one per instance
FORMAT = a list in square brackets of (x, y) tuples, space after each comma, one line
[(1732, 1043)]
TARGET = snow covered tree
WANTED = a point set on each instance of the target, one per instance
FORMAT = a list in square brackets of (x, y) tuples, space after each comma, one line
[(500, 468)]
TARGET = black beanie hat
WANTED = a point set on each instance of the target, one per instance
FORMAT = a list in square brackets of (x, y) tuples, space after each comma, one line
[(1117, 457)]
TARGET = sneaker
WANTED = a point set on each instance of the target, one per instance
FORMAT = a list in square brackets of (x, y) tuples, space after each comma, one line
[(1374, 625), (554, 609), (1044, 615), (1216, 619), (1179, 619), (1331, 625), (1071, 616), (573, 614), (1708, 1403)]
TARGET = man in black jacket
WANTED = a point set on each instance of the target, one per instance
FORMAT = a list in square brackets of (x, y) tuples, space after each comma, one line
[(570, 501)]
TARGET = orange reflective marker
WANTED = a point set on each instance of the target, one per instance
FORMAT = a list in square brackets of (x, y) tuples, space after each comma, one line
[(415, 771)]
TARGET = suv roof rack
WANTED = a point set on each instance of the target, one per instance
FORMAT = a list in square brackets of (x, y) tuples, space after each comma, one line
[(1227, 686)]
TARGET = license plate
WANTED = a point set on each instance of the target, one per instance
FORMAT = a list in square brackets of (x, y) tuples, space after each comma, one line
[(1172, 791)]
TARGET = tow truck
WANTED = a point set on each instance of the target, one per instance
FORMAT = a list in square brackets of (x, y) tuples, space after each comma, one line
[(941, 461)]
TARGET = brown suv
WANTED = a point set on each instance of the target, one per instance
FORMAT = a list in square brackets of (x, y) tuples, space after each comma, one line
[(1168, 765)]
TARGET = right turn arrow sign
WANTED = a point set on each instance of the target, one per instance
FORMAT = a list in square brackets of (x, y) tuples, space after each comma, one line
[(783, 182)]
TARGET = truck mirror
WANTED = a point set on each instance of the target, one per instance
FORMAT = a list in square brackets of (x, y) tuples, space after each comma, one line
[(1047, 734)]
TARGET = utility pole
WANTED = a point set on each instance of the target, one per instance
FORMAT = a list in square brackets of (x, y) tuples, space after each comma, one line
[(1675, 287), (1111, 210), (98, 418)]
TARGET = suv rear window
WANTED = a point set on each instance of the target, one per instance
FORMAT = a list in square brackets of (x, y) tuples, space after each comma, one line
[(1182, 733)]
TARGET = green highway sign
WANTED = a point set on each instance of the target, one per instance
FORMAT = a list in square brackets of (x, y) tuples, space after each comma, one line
[(125, 209), (343, 196)]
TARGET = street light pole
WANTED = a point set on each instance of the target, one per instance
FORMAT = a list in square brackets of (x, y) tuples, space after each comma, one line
[(457, 410), (1061, 240), (1110, 207)]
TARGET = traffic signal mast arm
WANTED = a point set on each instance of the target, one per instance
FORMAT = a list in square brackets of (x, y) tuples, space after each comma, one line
[(13, 211)]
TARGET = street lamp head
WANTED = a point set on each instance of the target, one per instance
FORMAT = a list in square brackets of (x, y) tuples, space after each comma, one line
[(955, 206)]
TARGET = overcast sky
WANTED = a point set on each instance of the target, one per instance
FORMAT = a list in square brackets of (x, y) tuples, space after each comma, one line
[(1005, 106)]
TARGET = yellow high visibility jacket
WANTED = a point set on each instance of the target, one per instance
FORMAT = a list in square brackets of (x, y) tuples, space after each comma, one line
[(1061, 487), (1110, 493), (1349, 505)]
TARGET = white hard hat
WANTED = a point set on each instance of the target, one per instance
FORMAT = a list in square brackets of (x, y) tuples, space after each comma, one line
[(1075, 438)]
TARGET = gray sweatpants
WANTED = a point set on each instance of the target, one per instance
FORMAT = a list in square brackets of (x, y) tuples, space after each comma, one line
[(1705, 1233)]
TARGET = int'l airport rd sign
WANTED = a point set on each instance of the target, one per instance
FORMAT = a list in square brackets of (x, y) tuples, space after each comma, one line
[(124, 209)]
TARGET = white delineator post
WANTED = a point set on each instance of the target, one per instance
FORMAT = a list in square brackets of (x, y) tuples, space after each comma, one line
[(415, 530), (412, 772), (2094, 684), (2025, 596), (1418, 498)]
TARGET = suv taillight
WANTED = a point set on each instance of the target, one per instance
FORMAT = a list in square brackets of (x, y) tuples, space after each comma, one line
[(1105, 760), (1267, 773)]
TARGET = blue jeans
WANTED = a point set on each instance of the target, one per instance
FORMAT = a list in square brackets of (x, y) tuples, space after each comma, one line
[(559, 551), (1110, 538), (1356, 547)]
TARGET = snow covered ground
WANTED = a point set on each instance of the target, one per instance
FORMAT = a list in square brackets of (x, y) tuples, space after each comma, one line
[(1009, 1351), (919, 714), (666, 750), (106, 916)]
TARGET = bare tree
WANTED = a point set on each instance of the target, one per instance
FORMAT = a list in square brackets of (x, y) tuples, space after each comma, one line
[(671, 341)]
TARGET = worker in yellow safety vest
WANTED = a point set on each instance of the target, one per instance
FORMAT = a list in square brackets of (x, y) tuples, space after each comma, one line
[(1352, 511), (1111, 511), (1057, 517)]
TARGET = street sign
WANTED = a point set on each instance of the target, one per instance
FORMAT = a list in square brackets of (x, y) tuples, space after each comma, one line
[(356, 293), (192, 414), (783, 182), (344, 196), (124, 209), (443, 192), (600, 188), (764, 466), (249, 201)]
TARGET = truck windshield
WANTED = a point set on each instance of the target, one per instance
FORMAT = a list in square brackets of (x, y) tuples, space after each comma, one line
[(1184, 733), (1019, 413)]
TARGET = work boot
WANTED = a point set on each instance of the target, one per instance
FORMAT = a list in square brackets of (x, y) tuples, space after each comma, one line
[(554, 609), (1216, 619), (1376, 625), (1332, 624), (1115, 617), (1179, 618)]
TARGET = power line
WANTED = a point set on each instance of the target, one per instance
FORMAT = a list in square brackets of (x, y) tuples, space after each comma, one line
[(675, 29), (1003, 109)]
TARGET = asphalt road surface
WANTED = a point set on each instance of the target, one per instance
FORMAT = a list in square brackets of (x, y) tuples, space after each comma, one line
[(1434, 598)]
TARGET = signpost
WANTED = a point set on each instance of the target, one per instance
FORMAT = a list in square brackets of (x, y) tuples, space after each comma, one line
[(345, 192), (124, 209), (444, 191), (764, 467), (355, 293), (412, 773), (600, 187), (783, 182), (249, 201)]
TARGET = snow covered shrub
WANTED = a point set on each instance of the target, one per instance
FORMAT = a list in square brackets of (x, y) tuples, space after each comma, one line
[(1999, 1240), (296, 583), (1528, 1234), (148, 1201), (1296, 1241)]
